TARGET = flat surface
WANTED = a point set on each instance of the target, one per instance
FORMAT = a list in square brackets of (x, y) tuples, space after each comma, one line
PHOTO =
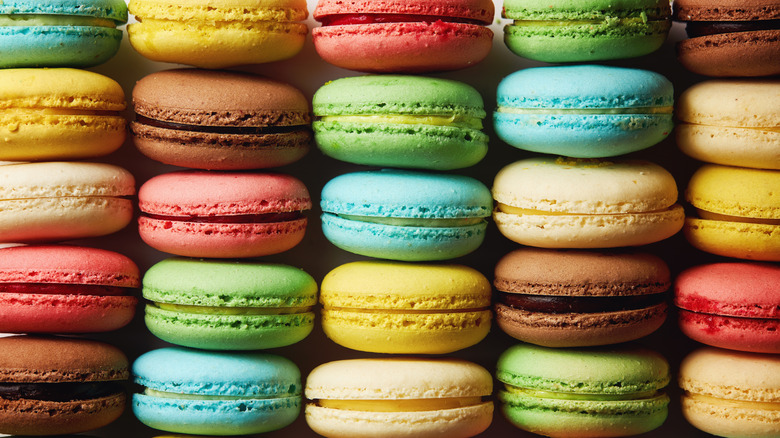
[(315, 255)]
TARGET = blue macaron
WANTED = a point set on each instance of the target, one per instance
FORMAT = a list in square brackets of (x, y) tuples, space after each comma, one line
[(59, 33), (584, 111), (405, 215), (216, 393)]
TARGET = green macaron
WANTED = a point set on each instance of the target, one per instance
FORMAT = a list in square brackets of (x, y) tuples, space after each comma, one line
[(587, 392), (400, 121), (228, 305)]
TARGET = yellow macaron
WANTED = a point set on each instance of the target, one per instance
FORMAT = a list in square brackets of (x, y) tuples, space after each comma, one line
[(393, 307), (738, 212)]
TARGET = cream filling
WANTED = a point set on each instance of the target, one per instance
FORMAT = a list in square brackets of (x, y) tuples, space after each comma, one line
[(458, 121), (213, 310), (588, 111), (415, 222), (610, 21), (36, 112), (587, 397), (402, 311), (736, 404), (54, 20), (175, 395), (401, 405), (504, 208), (708, 215)]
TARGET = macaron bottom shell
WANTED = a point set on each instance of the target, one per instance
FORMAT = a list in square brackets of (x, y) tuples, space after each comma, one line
[(55, 46), (742, 240), (759, 335), (750, 53), (216, 417), (52, 313), (42, 417), (407, 243)]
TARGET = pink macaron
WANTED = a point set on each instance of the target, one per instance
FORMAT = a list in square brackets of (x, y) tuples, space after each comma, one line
[(403, 35), (222, 214), (731, 305), (65, 289)]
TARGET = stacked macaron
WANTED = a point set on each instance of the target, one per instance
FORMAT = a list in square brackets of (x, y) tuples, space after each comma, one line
[(52, 113)]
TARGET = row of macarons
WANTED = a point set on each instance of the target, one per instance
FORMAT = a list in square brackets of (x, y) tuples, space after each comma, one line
[(727, 38), (608, 391)]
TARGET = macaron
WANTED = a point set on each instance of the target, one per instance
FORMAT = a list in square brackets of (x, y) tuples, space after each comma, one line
[(209, 34), (583, 392), (219, 120), (400, 121), (399, 396), (404, 308), (731, 394), (216, 393), (50, 201), (579, 203), (406, 36), (228, 305), (65, 289), (731, 305), (729, 37), (221, 214), (731, 121), (584, 111), (737, 212), (59, 114), (60, 33), (405, 215), (586, 30), (589, 298), (53, 386)]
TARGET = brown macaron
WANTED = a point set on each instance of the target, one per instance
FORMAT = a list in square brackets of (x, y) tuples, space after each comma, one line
[(220, 120), (730, 37), (51, 385), (572, 298)]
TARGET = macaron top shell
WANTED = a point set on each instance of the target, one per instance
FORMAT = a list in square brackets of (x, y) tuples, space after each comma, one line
[(585, 87), (211, 373), (478, 10), (747, 290), (219, 98), (59, 179), (67, 265), (583, 371), (731, 103), (111, 9), (32, 359), (585, 186), (221, 10), (227, 283), (581, 273), (735, 191), (406, 194), (198, 193), (725, 10), (392, 94)]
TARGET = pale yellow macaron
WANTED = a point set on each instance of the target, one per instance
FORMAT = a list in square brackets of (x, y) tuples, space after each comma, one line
[(393, 307), (731, 121), (59, 114), (738, 212), (553, 202), (218, 33)]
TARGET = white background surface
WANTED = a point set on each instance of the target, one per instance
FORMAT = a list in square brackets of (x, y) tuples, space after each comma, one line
[(317, 256)]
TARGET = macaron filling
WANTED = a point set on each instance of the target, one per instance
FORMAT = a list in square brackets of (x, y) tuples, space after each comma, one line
[(452, 120), (556, 395), (29, 20), (63, 289), (210, 397), (588, 111), (220, 310), (237, 130), (578, 304), (260, 218), (353, 19), (415, 222), (60, 391), (731, 403), (696, 29), (708, 215), (400, 405)]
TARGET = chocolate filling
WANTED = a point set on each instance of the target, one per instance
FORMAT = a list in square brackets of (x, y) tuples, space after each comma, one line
[(702, 28), (240, 130), (348, 19), (265, 218), (61, 289), (59, 392), (559, 304)]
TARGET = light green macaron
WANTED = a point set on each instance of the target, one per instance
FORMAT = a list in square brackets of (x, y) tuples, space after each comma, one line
[(228, 305)]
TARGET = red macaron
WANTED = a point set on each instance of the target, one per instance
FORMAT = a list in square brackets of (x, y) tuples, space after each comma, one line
[(731, 305), (65, 289), (403, 35), (223, 214)]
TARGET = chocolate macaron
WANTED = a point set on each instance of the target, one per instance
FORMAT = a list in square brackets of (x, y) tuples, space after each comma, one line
[(219, 120), (52, 385), (568, 298), (730, 37)]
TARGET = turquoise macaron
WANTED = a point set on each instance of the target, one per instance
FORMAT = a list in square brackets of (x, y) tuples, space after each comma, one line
[(228, 305), (584, 111), (216, 393), (59, 33), (583, 392), (405, 215), (400, 121)]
